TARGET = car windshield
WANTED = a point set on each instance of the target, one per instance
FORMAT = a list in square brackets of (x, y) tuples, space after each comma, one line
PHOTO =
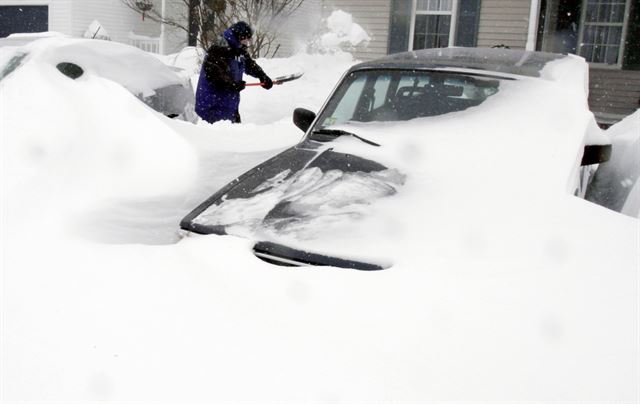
[(401, 95), (12, 64)]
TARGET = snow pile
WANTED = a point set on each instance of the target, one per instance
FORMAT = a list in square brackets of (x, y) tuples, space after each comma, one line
[(571, 71), (79, 143), (343, 34)]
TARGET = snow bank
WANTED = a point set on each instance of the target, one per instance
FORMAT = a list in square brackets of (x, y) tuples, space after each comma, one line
[(73, 144)]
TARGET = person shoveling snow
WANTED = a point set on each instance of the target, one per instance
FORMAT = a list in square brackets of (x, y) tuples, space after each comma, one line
[(220, 82)]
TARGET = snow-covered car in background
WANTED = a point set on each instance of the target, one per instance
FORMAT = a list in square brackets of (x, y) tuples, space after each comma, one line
[(407, 137), (615, 184), (166, 89)]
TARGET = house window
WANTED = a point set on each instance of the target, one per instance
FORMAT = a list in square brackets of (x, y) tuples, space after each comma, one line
[(23, 19), (433, 23), (407, 15), (602, 30)]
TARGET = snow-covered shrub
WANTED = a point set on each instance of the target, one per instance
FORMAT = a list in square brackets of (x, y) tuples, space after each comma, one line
[(339, 34)]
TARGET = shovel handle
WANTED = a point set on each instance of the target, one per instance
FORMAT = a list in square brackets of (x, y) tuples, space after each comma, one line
[(275, 83)]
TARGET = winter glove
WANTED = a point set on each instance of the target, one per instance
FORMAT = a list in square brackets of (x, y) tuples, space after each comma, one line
[(239, 85), (267, 83)]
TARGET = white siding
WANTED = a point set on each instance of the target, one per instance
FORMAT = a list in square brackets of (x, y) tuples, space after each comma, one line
[(114, 16), (504, 22), (72, 17), (373, 16), (60, 16)]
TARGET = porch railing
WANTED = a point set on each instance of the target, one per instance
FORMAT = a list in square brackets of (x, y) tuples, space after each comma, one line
[(145, 43)]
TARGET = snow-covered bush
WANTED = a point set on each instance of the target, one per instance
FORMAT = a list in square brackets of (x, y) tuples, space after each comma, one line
[(339, 34)]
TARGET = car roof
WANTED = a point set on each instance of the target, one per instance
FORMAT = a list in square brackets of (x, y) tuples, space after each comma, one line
[(23, 39), (489, 60)]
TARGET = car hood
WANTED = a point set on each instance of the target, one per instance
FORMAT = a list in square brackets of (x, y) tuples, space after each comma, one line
[(301, 188)]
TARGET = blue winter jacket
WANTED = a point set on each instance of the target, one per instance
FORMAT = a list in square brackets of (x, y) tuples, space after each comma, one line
[(217, 95)]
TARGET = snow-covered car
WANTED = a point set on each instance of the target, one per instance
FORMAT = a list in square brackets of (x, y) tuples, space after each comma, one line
[(615, 184), (166, 89), (407, 135)]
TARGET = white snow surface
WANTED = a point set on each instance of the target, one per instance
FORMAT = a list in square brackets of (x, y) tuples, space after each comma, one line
[(502, 286)]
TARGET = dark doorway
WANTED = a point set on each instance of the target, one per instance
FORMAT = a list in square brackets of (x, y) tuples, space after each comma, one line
[(23, 19), (559, 26)]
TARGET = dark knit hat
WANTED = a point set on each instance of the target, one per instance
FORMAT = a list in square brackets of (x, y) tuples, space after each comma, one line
[(241, 30)]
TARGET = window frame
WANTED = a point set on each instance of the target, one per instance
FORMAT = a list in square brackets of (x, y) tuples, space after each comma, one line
[(623, 36), (452, 28)]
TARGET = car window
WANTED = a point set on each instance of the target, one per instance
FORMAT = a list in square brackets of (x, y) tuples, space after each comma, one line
[(398, 95), (381, 89), (345, 109), (12, 65)]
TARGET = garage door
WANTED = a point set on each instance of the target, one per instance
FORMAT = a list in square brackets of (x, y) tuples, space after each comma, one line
[(18, 19)]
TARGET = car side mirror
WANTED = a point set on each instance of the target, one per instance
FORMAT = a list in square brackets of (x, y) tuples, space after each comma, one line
[(596, 154), (303, 118), (71, 70)]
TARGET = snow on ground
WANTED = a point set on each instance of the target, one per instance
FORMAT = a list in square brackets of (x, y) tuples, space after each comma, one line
[(536, 302)]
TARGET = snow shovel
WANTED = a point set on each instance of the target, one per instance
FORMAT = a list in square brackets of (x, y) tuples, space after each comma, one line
[(279, 80)]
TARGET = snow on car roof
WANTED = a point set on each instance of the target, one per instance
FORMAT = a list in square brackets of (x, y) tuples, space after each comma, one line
[(498, 60), (25, 38), (136, 70)]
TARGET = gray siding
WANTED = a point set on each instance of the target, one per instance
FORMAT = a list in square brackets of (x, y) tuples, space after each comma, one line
[(614, 92), (299, 28), (504, 22), (175, 39), (372, 16)]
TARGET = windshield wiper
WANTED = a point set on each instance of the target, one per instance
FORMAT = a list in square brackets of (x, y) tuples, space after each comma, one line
[(338, 132)]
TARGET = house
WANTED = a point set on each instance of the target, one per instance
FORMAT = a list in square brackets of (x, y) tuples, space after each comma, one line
[(605, 32), (75, 17)]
